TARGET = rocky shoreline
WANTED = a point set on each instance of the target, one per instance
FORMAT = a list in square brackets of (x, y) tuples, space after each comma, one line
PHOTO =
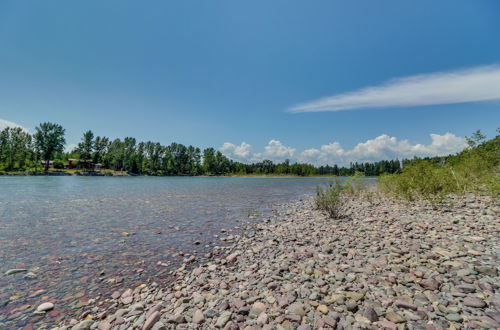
[(388, 265)]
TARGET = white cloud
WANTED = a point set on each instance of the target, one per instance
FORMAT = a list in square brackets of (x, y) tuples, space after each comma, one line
[(275, 150), (241, 152), (70, 147), (459, 86), (5, 123), (379, 148)]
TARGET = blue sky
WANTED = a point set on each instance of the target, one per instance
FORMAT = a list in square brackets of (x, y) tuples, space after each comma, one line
[(220, 73)]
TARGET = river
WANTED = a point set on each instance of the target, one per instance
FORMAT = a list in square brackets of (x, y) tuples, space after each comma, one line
[(83, 237)]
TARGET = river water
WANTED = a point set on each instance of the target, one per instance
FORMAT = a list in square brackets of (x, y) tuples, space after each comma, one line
[(84, 237)]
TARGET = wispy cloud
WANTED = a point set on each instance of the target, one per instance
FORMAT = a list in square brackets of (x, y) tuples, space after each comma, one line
[(378, 148), (5, 123), (459, 86)]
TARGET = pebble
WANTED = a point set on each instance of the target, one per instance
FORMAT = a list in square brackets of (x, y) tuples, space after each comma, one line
[(297, 309), (323, 309), (151, 320), (474, 302), (386, 265), (454, 317), (198, 317), (45, 307), (223, 319), (83, 325), (370, 314), (394, 317)]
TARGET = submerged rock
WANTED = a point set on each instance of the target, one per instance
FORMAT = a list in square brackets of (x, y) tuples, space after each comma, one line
[(45, 307), (15, 271)]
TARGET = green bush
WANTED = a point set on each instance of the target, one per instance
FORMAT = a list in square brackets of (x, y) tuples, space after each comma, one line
[(59, 164), (355, 184), (331, 199), (421, 179), (474, 170)]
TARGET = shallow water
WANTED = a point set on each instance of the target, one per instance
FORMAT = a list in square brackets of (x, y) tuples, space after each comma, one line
[(85, 237)]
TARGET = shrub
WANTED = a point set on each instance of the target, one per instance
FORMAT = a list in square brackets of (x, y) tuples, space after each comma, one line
[(58, 164), (421, 179), (355, 184), (331, 199), (474, 170)]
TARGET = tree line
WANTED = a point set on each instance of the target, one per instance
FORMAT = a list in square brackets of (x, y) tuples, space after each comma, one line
[(21, 151)]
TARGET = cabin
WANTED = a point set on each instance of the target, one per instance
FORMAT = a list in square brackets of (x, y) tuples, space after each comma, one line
[(74, 163), (82, 163), (43, 163)]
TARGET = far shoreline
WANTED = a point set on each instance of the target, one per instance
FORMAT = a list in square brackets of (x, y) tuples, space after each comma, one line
[(111, 173)]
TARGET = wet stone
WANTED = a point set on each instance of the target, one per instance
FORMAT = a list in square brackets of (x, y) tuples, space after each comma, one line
[(45, 307)]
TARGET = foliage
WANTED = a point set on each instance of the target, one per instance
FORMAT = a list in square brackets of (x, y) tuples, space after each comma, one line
[(331, 199), (49, 139), (474, 170), (86, 148), (18, 153), (368, 169), (58, 163), (421, 179), (355, 184), (15, 149)]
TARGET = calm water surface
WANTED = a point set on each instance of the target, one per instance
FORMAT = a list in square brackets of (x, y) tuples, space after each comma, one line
[(71, 232)]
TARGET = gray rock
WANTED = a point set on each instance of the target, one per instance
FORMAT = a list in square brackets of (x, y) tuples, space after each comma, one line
[(491, 271), (84, 325), (297, 309), (370, 314), (159, 326), (454, 317), (223, 319), (394, 317)]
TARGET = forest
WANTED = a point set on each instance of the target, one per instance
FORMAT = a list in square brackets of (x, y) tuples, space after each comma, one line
[(21, 151)]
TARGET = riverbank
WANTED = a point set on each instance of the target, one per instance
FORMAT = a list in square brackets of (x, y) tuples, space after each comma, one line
[(388, 265), (53, 172)]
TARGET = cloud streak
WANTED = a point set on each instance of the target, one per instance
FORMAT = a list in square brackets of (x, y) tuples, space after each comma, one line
[(459, 86), (382, 147)]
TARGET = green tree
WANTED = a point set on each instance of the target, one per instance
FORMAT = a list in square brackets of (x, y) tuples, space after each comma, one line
[(15, 148), (101, 145), (209, 161), (86, 148), (476, 139), (49, 139)]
